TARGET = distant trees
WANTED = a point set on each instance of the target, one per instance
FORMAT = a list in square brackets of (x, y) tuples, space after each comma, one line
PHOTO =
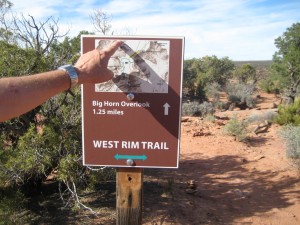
[(5, 33), (245, 73), (282, 77), (198, 73), (208, 76), (211, 69), (189, 77)]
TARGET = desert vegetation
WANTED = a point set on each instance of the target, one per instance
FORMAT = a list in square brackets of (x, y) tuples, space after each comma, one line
[(208, 77), (42, 148)]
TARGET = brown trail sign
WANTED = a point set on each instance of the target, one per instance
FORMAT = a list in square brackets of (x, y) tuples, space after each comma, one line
[(136, 115), (133, 120)]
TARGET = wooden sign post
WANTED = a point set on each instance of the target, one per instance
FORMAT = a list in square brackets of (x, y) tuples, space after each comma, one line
[(129, 196)]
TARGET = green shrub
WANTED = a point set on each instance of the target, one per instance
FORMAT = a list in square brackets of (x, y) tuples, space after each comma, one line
[(268, 86), (291, 136), (97, 175), (236, 128), (11, 205), (289, 114)]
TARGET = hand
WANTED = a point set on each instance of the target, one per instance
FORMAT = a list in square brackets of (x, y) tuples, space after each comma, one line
[(92, 66)]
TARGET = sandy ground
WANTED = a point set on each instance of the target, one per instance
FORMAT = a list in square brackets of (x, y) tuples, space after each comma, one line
[(219, 180), (235, 182)]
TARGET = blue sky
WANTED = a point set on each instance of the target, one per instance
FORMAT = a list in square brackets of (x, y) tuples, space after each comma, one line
[(239, 29)]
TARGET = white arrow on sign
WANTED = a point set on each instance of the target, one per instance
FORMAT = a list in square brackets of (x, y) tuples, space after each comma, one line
[(166, 106)]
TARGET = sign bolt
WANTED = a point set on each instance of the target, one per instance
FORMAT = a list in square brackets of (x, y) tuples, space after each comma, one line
[(130, 162), (130, 96)]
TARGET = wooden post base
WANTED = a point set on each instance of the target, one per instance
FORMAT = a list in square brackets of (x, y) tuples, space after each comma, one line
[(129, 196)]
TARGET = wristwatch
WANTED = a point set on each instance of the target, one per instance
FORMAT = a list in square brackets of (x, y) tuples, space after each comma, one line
[(72, 74)]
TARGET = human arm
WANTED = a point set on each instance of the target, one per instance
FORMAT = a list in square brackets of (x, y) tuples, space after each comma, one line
[(19, 95)]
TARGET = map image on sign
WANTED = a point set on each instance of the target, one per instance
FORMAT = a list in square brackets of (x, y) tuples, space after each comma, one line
[(139, 66)]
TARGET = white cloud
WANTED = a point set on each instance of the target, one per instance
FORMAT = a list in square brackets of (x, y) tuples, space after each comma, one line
[(121, 6), (224, 28), (36, 8), (240, 29)]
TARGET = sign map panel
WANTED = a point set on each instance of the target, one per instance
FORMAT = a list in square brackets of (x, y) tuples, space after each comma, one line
[(139, 66)]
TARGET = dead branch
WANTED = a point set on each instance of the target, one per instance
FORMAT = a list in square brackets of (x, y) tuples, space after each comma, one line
[(74, 194), (262, 128), (101, 21), (37, 35)]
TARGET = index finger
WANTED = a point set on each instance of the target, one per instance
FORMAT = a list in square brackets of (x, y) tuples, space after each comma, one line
[(112, 48)]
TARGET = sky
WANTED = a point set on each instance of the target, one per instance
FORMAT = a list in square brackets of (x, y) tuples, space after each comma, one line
[(238, 29)]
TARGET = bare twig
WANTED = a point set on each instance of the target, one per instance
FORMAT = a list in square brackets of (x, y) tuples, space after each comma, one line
[(38, 35), (261, 128), (101, 21), (76, 197)]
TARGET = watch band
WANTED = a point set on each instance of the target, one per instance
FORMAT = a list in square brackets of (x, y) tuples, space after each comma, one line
[(72, 74)]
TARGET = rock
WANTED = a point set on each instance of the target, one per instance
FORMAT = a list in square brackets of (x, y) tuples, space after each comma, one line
[(260, 157), (201, 132), (185, 119), (191, 187), (190, 191), (191, 184), (238, 192), (147, 210), (273, 106), (231, 106), (219, 122), (222, 118), (244, 160)]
